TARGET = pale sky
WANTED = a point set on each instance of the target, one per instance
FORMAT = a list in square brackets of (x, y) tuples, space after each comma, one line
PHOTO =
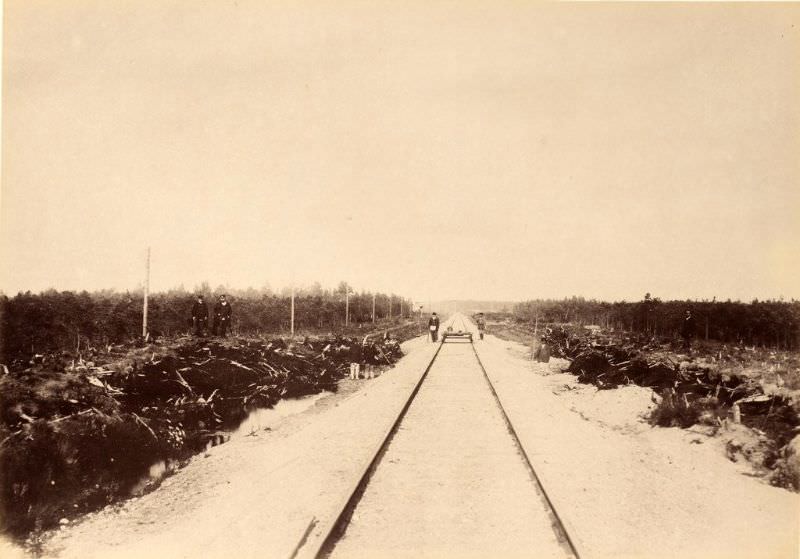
[(487, 150)]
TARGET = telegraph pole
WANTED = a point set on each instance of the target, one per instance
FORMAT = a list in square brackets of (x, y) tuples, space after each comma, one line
[(146, 294)]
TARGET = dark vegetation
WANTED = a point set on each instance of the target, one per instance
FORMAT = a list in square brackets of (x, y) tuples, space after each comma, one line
[(774, 324), (50, 321), (88, 408)]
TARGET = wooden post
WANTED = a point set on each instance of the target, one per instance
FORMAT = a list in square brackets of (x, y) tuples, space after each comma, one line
[(146, 294)]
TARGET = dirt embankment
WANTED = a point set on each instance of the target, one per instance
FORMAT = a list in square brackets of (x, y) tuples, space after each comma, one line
[(80, 432), (751, 395)]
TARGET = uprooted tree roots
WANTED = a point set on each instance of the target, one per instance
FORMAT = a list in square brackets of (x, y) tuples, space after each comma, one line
[(77, 436)]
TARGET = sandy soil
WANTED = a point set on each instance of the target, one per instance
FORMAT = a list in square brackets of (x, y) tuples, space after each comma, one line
[(623, 489)]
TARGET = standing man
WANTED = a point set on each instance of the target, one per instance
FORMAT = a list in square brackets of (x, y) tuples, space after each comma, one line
[(200, 316), (368, 355), (542, 354), (222, 316), (481, 324), (433, 326), (688, 330)]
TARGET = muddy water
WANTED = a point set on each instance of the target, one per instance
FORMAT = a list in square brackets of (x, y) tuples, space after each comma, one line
[(262, 419), (266, 418)]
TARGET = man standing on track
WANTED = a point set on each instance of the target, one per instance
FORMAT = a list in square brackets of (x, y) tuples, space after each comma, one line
[(200, 316), (222, 316), (433, 326)]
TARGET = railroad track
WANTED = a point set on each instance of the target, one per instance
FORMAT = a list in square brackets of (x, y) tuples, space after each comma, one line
[(451, 474)]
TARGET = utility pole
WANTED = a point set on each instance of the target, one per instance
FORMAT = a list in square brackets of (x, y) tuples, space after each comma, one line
[(373, 308), (146, 294), (292, 321)]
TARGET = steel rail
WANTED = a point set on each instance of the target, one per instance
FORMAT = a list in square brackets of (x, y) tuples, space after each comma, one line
[(558, 525), (336, 529), (326, 543)]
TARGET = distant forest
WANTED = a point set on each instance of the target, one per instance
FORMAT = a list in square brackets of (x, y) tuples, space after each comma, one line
[(57, 320), (763, 323)]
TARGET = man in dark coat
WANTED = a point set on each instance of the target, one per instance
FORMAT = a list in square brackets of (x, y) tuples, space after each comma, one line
[(368, 358), (200, 316), (688, 330), (542, 354), (433, 326), (222, 316), (481, 322)]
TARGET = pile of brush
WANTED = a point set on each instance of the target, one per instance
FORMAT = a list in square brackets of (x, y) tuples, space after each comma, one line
[(77, 434), (609, 365), (689, 391)]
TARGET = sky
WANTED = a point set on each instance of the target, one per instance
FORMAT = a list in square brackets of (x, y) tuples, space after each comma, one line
[(485, 150)]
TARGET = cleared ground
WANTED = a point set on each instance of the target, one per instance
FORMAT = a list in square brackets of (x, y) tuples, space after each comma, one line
[(624, 489)]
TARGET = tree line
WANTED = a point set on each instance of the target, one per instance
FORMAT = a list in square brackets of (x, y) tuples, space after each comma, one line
[(65, 320), (761, 323)]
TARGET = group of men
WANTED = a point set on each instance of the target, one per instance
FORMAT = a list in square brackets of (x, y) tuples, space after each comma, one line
[(363, 358), (366, 357), (222, 317)]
